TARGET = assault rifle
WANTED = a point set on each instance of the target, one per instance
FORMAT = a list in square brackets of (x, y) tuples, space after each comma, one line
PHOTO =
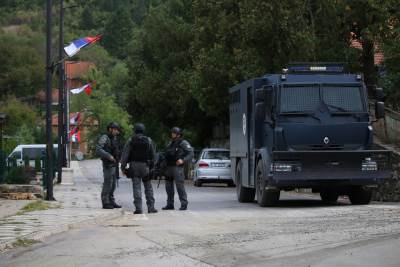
[(157, 172)]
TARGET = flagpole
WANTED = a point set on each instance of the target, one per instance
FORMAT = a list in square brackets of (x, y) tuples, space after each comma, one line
[(66, 114), (68, 126), (49, 74), (61, 103)]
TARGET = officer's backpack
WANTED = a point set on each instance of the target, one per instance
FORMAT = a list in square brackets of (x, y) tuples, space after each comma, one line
[(139, 148)]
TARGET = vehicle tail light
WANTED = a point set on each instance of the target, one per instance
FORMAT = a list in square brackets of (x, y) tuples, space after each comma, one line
[(203, 164)]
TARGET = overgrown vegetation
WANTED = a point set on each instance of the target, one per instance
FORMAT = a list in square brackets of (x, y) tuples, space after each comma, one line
[(171, 62), (20, 175), (24, 242), (37, 206)]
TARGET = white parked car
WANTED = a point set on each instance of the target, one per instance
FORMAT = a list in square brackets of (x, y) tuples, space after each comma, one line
[(31, 151), (213, 166)]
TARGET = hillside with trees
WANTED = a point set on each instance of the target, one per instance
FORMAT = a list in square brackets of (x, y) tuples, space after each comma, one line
[(171, 62)]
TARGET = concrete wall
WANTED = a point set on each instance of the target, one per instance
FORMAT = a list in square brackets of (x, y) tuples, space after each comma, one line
[(390, 189), (388, 129)]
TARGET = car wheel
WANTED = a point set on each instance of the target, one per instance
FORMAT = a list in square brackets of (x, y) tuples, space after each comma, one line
[(244, 194), (197, 183), (360, 195), (265, 197), (329, 196)]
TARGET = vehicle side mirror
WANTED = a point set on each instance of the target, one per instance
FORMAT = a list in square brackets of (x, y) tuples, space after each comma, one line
[(194, 161), (379, 94), (260, 111), (379, 110), (260, 96), (262, 114), (263, 94)]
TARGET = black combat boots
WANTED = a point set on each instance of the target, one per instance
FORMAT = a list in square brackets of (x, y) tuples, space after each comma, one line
[(152, 210), (168, 207), (108, 206), (115, 205)]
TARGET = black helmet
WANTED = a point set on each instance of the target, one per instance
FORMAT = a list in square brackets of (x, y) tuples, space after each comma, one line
[(139, 128), (113, 125), (176, 130)]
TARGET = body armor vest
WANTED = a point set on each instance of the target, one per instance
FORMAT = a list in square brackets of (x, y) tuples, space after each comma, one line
[(139, 149)]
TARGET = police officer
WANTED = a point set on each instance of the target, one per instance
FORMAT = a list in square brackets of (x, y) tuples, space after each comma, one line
[(140, 154), (107, 149), (178, 152)]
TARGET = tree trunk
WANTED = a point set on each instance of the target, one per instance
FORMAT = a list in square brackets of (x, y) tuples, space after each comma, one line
[(367, 62)]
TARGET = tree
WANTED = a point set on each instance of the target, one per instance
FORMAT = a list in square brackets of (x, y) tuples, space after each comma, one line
[(366, 21), (391, 48), (19, 116), (160, 68), (118, 33), (21, 68)]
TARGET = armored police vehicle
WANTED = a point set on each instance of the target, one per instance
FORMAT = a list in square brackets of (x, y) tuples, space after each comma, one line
[(308, 127)]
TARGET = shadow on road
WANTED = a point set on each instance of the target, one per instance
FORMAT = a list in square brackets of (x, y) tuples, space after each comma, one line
[(307, 203)]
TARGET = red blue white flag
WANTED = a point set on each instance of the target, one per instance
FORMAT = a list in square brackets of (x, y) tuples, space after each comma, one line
[(77, 45), (75, 119), (87, 88)]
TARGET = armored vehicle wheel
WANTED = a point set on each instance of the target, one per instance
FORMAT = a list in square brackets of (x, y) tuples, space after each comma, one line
[(329, 196), (360, 195), (244, 194), (197, 183), (265, 197)]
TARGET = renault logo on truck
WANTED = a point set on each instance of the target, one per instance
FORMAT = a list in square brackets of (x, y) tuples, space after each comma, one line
[(326, 140)]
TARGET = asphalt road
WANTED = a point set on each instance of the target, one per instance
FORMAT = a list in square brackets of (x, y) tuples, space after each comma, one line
[(219, 231)]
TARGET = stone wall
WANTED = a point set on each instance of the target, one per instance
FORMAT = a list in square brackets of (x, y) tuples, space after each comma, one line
[(390, 189), (388, 129)]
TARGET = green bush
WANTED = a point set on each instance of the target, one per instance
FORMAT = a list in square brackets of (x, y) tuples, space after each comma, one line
[(20, 175), (26, 161), (38, 165)]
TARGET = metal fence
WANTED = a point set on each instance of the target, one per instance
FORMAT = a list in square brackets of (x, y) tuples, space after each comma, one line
[(3, 165), (8, 165)]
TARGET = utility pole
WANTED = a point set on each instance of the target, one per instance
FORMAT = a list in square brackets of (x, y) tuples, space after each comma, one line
[(61, 102), (49, 74)]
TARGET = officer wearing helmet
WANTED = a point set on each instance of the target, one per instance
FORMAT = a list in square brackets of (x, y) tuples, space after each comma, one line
[(139, 152), (178, 152), (108, 150)]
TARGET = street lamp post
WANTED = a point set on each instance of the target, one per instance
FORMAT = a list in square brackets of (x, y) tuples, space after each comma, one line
[(49, 74), (65, 96), (61, 140)]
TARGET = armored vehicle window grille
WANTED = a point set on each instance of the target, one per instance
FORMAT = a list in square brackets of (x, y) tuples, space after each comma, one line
[(344, 98), (299, 98)]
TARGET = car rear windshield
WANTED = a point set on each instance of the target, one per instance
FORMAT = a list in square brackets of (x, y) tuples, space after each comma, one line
[(224, 155), (308, 98)]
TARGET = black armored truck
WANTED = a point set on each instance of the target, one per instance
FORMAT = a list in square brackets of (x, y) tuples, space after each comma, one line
[(307, 127)]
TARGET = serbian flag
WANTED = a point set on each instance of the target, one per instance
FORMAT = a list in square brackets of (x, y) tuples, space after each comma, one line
[(76, 137), (75, 119), (73, 132), (87, 88), (77, 45)]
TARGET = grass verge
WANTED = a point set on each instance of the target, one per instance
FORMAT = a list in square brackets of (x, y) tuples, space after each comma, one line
[(24, 242), (36, 206)]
